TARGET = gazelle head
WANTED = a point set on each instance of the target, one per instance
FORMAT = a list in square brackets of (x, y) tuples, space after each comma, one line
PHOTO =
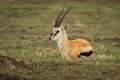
[(58, 30)]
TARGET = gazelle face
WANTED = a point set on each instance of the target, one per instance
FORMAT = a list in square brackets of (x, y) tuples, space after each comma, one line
[(56, 34), (58, 29)]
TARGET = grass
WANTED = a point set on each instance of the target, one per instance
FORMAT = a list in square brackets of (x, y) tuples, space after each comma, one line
[(24, 31)]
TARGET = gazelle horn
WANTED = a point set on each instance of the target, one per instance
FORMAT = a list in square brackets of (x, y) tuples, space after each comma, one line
[(61, 17)]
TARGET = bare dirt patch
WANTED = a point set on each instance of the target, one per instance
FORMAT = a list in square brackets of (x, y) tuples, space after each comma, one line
[(8, 77), (10, 63)]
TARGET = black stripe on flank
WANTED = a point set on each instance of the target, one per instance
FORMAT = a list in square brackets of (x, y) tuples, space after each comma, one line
[(86, 54)]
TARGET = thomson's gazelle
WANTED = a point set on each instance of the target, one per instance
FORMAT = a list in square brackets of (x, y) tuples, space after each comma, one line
[(70, 49)]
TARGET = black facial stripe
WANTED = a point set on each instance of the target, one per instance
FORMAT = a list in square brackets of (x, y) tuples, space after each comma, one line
[(55, 34)]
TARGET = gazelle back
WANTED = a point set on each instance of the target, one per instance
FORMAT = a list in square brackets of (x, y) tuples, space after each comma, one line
[(70, 49)]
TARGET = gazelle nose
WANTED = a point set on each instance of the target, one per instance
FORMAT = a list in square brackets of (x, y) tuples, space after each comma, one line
[(50, 36)]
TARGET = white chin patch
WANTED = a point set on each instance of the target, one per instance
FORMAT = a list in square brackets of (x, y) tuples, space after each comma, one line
[(53, 39)]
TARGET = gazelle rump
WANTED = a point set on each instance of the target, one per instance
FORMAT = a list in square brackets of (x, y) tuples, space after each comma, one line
[(70, 49)]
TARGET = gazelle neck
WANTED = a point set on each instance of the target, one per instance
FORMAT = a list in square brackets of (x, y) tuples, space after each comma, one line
[(63, 41)]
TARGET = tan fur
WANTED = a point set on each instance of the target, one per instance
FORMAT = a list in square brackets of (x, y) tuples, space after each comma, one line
[(70, 49)]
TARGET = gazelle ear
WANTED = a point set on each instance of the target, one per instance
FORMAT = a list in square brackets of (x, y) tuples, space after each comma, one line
[(65, 27)]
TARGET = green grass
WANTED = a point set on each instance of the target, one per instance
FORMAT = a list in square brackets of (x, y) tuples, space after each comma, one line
[(26, 25)]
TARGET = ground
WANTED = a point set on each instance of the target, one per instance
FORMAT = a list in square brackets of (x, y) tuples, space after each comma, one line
[(27, 54)]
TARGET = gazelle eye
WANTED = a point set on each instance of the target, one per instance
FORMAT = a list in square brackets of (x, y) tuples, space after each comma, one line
[(57, 31)]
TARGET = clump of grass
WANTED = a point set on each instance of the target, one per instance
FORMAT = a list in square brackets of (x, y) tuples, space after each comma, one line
[(103, 56)]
